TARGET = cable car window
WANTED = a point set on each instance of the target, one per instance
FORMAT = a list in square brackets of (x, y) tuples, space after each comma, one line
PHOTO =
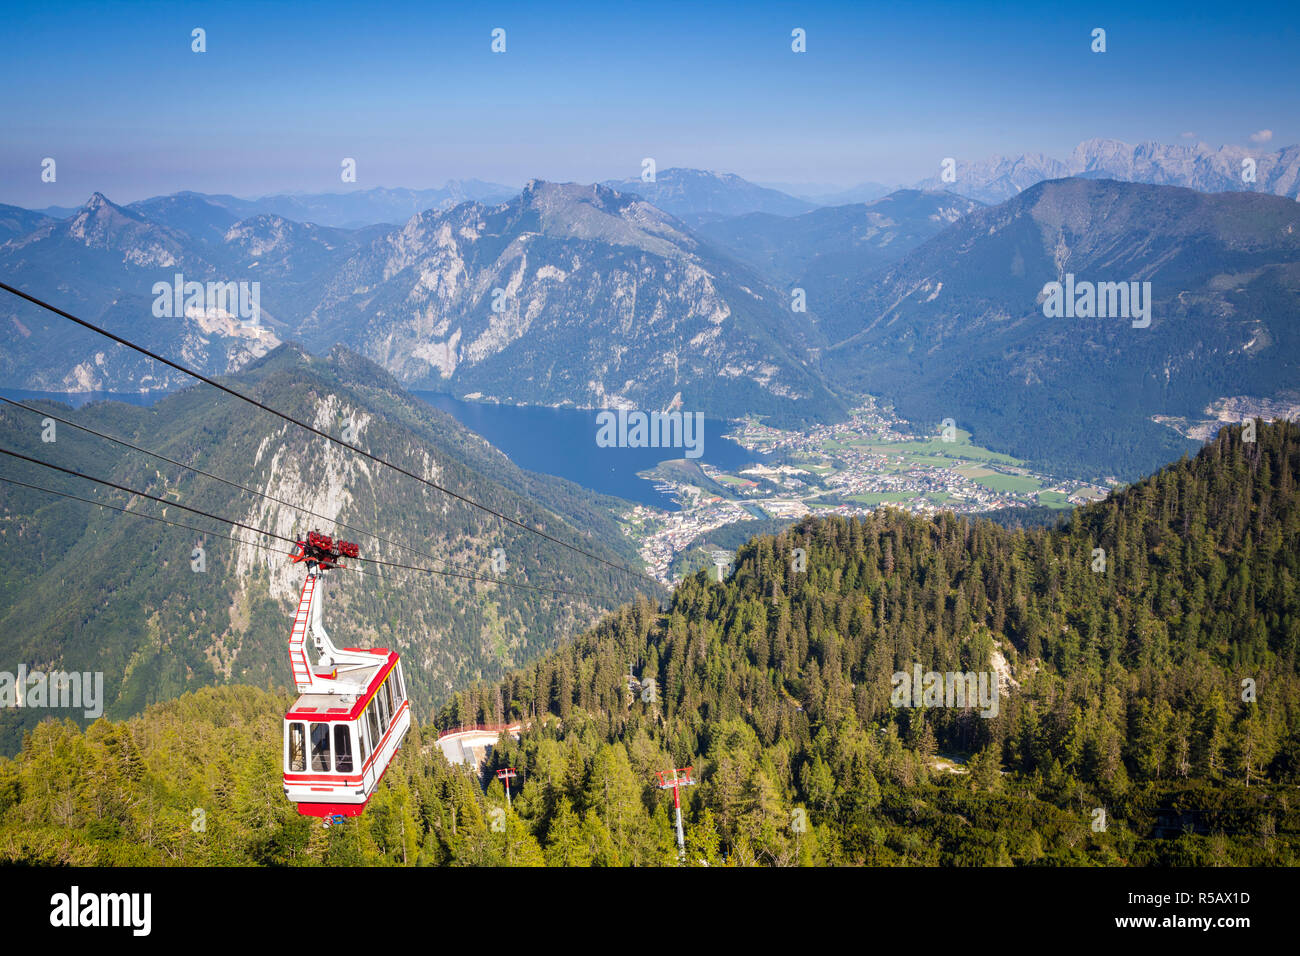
[(297, 748), (363, 741), (399, 687), (320, 747), (381, 701), (372, 718), (387, 691), (342, 749)]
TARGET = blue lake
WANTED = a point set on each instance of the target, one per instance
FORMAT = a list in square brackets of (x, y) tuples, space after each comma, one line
[(554, 441), (562, 441)]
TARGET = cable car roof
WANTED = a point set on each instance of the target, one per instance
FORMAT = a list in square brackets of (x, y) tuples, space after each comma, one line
[(319, 707)]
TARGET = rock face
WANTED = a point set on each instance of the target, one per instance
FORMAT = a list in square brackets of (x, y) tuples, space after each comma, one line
[(998, 178), (569, 294), (1198, 167)]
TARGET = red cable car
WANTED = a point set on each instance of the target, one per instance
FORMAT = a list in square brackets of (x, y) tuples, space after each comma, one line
[(352, 713)]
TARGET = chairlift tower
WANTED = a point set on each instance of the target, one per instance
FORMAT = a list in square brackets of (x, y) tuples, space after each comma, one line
[(505, 776), (681, 777)]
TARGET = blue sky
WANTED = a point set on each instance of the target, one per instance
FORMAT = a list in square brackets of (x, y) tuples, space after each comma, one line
[(413, 92)]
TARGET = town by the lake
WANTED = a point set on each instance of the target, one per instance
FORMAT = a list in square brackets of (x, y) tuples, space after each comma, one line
[(848, 468)]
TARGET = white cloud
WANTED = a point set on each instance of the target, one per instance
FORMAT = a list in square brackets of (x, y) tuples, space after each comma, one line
[(1263, 136), (1189, 136)]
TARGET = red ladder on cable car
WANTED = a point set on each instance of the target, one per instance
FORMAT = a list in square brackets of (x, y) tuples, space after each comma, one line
[(352, 713), (298, 636)]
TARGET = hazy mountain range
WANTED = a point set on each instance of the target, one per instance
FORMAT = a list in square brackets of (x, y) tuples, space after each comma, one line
[(836, 243), (825, 194), (696, 196), (596, 296), (1196, 166), (350, 210)]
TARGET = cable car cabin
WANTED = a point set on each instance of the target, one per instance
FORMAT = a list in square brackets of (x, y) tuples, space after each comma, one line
[(352, 713), (335, 753)]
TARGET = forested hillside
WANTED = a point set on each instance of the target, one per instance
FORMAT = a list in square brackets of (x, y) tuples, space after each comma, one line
[(1124, 735), (1125, 694)]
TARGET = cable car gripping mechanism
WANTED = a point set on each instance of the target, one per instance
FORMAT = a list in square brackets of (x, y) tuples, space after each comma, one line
[(321, 553)]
